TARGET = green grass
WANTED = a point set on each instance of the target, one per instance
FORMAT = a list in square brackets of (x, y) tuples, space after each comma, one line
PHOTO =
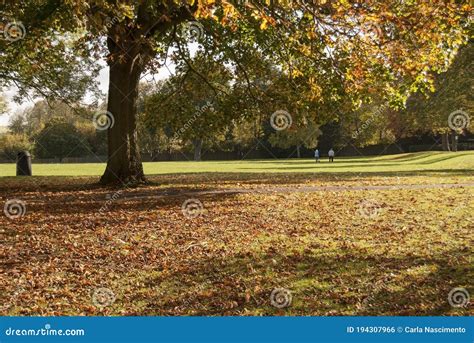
[(425, 161)]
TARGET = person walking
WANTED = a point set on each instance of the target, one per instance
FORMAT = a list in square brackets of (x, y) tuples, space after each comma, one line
[(331, 155), (316, 155)]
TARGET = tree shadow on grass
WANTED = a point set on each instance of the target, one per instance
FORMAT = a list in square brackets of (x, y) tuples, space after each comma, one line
[(304, 176), (356, 164), (344, 284), (367, 159), (332, 168), (104, 205), (70, 190)]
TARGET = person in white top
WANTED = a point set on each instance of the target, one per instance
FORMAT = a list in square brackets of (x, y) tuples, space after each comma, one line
[(316, 155), (331, 155)]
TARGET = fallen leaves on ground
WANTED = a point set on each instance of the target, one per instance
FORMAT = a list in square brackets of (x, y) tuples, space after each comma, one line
[(364, 252)]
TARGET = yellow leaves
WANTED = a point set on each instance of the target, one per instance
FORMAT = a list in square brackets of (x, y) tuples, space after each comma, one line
[(126, 10), (230, 13), (312, 35), (340, 5), (228, 9), (205, 9), (295, 72), (265, 19), (316, 90)]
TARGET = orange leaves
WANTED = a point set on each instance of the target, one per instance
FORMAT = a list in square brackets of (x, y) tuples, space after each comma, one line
[(204, 9), (230, 15)]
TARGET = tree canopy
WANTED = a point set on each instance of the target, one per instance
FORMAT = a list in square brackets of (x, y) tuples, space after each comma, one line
[(452, 92)]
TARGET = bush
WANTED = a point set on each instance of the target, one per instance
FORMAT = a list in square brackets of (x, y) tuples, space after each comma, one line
[(11, 144), (59, 139)]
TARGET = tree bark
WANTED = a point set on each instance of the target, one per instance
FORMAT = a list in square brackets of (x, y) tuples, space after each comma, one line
[(298, 152), (197, 143), (124, 163)]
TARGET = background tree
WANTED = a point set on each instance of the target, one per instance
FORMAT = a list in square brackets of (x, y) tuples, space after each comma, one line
[(31, 121), (59, 139), (368, 125), (17, 123), (96, 140), (3, 105), (428, 112), (304, 133), (244, 135), (194, 110), (12, 143), (152, 137)]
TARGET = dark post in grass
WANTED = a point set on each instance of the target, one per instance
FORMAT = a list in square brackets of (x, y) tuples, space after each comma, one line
[(23, 164)]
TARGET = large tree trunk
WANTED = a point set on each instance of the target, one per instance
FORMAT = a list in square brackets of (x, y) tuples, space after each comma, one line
[(197, 143), (124, 163), (445, 141), (130, 50)]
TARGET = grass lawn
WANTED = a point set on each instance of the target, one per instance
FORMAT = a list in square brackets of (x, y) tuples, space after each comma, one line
[(424, 161), (346, 252)]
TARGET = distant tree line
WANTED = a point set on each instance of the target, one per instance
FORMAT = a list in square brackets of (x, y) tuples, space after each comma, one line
[(220, 110)]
